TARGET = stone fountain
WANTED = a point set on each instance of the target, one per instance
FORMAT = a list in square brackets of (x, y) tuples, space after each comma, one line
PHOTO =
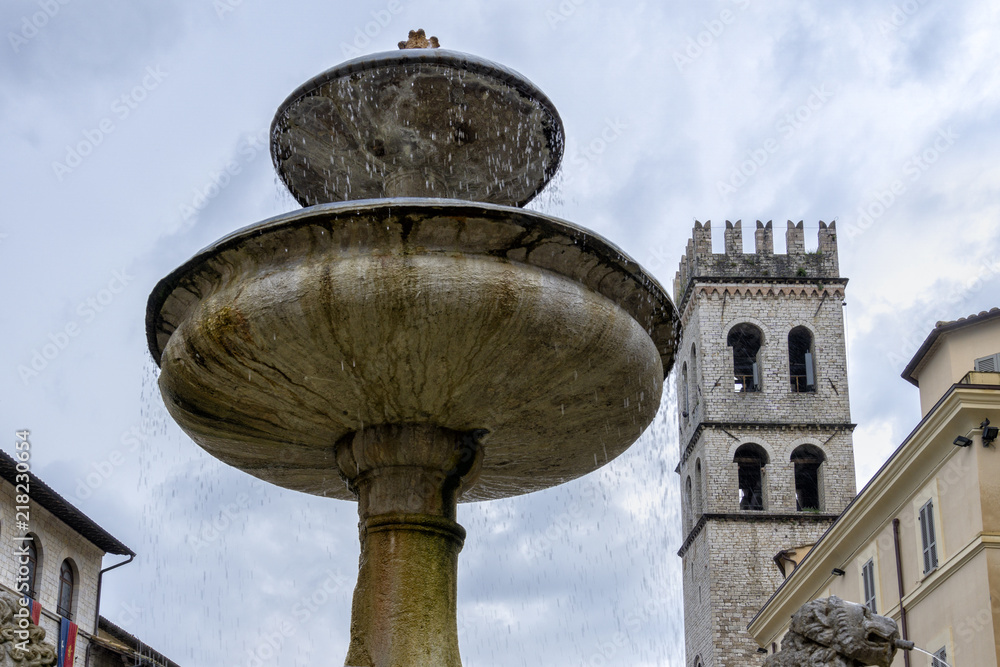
[(831, 632), (413, 338)]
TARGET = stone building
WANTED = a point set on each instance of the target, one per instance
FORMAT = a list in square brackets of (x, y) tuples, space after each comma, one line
[(766, 461), (921, 542), (64, 561)]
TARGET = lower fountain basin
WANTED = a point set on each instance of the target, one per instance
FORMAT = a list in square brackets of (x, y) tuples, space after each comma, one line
[(282, 338)]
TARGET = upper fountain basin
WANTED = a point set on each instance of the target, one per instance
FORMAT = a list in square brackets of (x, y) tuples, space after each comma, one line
[(284, 337), (417, 123)]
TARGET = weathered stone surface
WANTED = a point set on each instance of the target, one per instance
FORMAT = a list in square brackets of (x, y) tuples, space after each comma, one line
[(417, 123), (22, 643), (418, 40), (283, 338), (833, 633), (407, 480)]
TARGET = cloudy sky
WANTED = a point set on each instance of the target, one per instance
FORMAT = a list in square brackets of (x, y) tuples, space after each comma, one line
[(135, 134)]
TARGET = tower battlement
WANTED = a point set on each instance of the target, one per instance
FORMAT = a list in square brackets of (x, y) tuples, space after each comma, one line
[(795, 264)]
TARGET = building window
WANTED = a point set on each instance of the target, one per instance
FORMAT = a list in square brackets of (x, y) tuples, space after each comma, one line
[(746, 341), (807, 460), (32, 567), (697, 661), (927, 537), (990, 364), (868, 581), (800, 360), (940, 658), (750, 460), (65, 590)]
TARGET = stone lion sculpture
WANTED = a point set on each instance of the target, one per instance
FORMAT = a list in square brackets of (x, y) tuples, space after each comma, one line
[(833, 633), (21, 641)]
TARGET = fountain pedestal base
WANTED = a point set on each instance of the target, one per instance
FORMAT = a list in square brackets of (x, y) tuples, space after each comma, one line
[(407, 479)]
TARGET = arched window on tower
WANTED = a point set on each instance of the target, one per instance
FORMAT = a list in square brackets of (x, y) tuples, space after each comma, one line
[(66, 590), (685, 404), (746, 341), (800, 360), (698, 498), (694, 379), (750, 460), (690, 507), (807, 460)]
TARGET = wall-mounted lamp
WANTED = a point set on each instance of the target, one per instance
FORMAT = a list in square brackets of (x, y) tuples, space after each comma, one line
[(989, 432), (837, 572), (962, 441)]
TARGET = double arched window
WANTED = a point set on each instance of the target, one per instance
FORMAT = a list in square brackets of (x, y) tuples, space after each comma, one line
[(750, 460), (745, 341)]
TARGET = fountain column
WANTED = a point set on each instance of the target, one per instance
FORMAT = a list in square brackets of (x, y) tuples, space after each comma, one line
[(407, 480)]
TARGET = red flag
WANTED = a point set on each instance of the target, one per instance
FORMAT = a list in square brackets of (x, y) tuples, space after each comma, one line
[(34, 610)]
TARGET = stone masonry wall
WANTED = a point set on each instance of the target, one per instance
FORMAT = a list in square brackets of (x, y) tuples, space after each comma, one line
[(738, 557), (55, 542), (775, 309)]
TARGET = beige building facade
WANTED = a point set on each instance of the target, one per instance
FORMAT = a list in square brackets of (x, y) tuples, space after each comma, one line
[(921, 542)]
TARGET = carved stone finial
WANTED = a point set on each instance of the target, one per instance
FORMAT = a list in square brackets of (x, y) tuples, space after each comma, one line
[(831, 632), (418, 40)]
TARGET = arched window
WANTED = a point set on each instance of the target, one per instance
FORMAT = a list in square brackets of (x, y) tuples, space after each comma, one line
[(66, 590), (746, 341), (694, 378), (807, 460), (32, 567), (801, 369), (697, 489), (690, 506), (697, 661), (685, 406), (750, 460)]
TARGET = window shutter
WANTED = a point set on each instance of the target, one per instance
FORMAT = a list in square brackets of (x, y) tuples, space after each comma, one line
[(810, 372), (927, 536), (868, 579), (990, 364)]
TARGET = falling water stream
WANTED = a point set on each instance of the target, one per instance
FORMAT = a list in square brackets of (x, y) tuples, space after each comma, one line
[(935, 661)]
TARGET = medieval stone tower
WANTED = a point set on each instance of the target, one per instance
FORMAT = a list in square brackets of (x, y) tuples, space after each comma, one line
[(766, 461)]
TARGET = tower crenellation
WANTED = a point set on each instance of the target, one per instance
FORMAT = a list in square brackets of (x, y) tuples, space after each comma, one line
[(796, 263)]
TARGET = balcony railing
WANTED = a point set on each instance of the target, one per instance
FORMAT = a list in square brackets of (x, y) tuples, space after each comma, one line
[(800, 384)]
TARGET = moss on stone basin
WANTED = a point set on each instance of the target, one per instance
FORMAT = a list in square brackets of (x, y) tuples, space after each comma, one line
[(285, 337)]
